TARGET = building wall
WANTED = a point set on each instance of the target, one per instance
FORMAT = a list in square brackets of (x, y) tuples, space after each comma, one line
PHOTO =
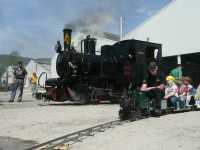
[(7, 77), (190, 66), (53, 66), (38, 69), (176, 27)]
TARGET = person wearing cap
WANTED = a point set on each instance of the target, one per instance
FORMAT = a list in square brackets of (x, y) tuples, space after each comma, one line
[(154, 85), (33, 80), (19, 76), (171, 92), (177, 72)]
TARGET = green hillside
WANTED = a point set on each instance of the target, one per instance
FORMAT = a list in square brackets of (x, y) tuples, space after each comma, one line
[(7, 60)]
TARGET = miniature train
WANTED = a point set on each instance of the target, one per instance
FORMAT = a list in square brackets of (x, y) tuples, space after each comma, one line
[(137, 104), (90, 78)]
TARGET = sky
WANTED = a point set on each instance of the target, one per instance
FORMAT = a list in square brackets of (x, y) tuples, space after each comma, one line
[(32, 27)]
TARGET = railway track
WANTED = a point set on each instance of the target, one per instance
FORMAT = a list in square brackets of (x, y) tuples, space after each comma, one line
[(62, 143)]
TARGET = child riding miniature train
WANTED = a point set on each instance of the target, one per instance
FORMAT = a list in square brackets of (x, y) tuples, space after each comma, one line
[(159, 93)]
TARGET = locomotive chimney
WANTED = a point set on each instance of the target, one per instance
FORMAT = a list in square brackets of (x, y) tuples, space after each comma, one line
[(67, 38)]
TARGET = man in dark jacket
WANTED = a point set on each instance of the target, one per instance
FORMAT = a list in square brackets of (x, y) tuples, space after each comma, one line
[(153, 85), (20, 74)]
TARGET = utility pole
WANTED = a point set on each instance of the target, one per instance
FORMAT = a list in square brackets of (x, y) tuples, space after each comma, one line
[(179, 59), (121, 28), (7, 76)]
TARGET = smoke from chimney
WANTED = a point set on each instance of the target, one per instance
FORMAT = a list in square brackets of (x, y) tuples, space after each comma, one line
[(91, 24)]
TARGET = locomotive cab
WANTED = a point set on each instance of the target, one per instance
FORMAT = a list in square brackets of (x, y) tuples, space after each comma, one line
[(139, 54)]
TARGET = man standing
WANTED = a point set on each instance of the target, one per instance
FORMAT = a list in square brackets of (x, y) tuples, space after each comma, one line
[(153, 85), (20, 77)]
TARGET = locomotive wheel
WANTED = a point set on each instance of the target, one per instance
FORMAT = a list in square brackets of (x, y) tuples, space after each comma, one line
[(132, 116), (124, 114), (80, 94), (84, 93), (84, 99), (157, 113)]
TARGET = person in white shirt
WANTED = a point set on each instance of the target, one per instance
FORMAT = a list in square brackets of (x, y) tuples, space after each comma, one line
[(197, 97), (171, 91)]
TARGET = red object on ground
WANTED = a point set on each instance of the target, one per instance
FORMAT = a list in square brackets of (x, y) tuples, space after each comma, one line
[(58, 94)]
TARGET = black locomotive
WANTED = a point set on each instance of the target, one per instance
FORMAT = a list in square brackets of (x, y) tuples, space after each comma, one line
[(87, 77)]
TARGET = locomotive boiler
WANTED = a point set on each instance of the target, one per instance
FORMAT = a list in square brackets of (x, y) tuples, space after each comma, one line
[(87, 77)]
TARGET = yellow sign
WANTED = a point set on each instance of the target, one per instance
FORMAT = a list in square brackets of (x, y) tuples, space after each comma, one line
[(67, 39)]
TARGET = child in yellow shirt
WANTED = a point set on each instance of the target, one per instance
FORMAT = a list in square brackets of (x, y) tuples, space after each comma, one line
[(33, 81)]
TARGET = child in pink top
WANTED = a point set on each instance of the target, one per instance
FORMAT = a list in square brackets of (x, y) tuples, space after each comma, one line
[(186, 90)]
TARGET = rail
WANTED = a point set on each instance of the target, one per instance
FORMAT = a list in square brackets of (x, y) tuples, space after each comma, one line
[(75, 136)]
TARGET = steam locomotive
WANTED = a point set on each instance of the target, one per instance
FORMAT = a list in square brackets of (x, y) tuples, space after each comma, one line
[(87, 77)]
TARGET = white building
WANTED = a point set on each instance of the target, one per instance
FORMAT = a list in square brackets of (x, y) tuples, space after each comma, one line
[(38, 68), (33, 66), (53, 66), (176, 27), (7, 78)]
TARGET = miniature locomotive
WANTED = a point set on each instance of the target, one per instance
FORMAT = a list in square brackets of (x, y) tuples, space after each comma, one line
[(87, 77)]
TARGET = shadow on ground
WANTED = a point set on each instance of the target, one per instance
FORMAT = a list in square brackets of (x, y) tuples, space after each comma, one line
[(24, 101), (9, 143), (71, 104)]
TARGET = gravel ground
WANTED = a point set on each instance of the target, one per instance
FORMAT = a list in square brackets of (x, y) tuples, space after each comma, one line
[(31, 120), (171, 132)]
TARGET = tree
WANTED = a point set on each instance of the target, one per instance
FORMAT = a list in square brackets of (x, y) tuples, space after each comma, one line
[(2, 69), (15, 53), (11, 59), (14, 57)]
